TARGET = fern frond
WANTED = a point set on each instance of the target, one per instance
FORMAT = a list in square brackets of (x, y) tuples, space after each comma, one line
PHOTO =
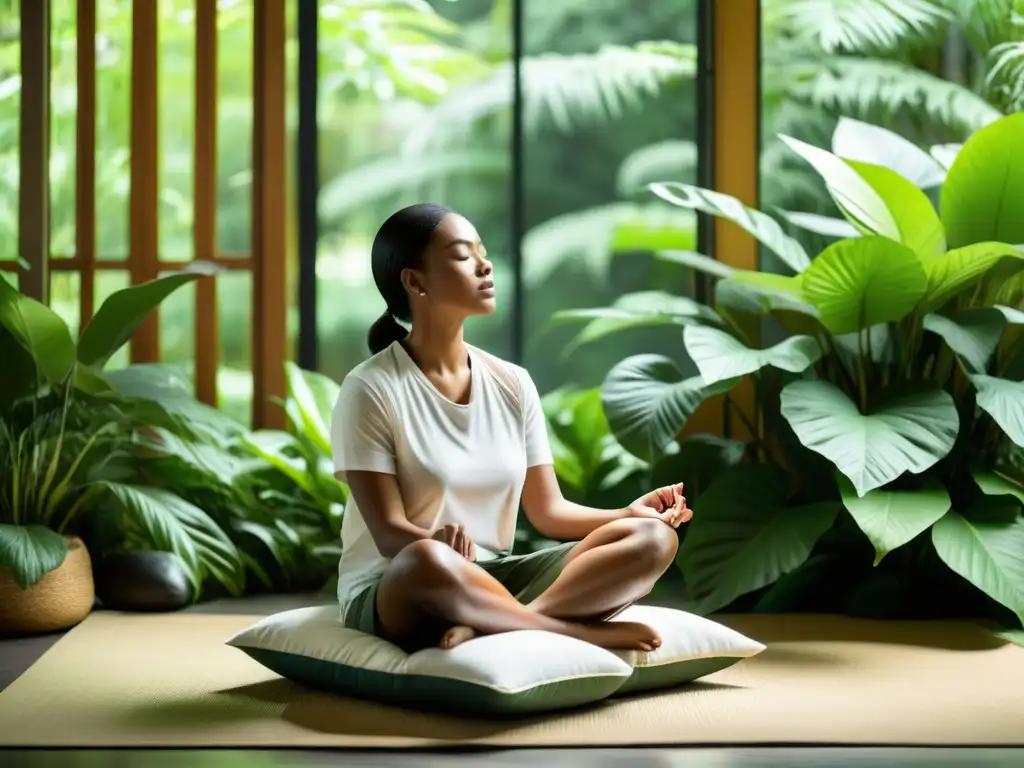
[(1007, 73), (673, 159), (591, 237), (855, 86), (566, 92), (863, 25)]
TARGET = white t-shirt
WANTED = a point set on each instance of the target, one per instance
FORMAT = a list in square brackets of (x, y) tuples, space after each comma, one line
[(455, 463)]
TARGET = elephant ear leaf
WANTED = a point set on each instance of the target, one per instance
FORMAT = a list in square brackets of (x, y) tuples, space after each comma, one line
[(762, 226), (647, 402)]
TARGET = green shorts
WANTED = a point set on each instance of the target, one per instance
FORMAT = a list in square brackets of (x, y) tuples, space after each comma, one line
[(525, 576)]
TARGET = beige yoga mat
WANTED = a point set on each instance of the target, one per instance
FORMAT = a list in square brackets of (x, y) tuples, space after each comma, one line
[(168, 680)]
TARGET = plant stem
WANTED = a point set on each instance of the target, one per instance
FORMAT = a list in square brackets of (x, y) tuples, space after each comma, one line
[(862, 374), (745, 419)]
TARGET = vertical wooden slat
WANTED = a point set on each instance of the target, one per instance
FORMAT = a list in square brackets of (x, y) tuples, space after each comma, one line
[(144, 238), (85, 154), (734, 135), (269, 234), (737, 146), (34, 160), (205, 183)]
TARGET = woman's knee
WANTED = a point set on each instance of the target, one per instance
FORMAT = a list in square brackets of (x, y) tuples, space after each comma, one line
[(656, 542), (427, 564)]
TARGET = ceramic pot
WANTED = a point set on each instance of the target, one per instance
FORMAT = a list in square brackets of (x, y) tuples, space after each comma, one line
[(60, 599)]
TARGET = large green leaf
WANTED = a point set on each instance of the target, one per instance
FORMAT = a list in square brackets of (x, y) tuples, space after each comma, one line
[(172, 393), (828, 226), (866, 143), (994, 484), (40, 331), (720, 356), (892, 518), (973, 334), (851, 192), (915, 216), (984, 189), (311, 398), (986, 549), (743, 537), (634, 310), (30, 551), (210, 461), (959, 269), (699, 262), (124, 311), (855, 284), (647, 402), (1003, 400), (19, 377), (909, 431), (172, 524), (275, 447), (760, 225)]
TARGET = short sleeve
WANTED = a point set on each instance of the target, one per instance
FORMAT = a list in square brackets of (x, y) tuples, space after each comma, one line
[(538, 449), (362, 436)]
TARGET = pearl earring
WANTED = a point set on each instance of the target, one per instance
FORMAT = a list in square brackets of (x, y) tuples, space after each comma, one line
[(423, 293)]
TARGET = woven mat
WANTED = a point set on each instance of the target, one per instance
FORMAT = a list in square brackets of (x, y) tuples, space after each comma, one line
[(168, 680)]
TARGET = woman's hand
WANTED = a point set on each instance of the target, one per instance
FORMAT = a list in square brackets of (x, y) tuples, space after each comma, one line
[(666, 504), (455, 536)]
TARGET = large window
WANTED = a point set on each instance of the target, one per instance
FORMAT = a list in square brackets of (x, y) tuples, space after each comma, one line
[(932, 71), (419, 103)]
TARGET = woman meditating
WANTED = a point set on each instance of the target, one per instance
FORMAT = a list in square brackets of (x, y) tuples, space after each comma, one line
[(439, 442)]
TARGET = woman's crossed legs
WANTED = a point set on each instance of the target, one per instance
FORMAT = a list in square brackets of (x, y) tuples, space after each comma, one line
[(431, 595)]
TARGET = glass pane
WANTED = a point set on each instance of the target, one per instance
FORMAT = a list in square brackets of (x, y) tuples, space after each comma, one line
[(10, 111), (107, 282), (416, 107), (64, 108), (65, 298), (178, 328), (234, 374), (113, 126), (177, 126), (610, 105), (234, 126)]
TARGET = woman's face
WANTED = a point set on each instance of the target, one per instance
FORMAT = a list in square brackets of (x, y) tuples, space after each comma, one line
[(456, 274)]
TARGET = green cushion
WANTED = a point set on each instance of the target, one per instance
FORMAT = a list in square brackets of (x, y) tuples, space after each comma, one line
[(512, 673)]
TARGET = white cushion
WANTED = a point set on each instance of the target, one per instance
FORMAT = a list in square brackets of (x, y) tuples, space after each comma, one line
[(515, 672), (691, 647)]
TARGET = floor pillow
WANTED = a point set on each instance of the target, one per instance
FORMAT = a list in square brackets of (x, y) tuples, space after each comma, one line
[(512, 673), (691, 647)]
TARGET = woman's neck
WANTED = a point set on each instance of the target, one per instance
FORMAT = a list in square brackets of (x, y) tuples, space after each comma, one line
[(437, 346)]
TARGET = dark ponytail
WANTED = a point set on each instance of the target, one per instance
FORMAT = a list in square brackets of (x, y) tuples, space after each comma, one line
[(384, 332), (399, 245)]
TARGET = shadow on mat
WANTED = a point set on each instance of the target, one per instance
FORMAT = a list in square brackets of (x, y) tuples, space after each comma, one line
[(340, 716)]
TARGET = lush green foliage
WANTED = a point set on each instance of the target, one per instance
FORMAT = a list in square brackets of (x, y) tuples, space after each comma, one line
[(128, 458), (893, 395)]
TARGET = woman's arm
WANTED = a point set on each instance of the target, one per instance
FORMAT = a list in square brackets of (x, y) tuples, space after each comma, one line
[(380, 504), (556, 517)]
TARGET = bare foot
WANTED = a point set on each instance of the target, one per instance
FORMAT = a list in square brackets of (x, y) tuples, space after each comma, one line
[(623, 635), (456, 636)]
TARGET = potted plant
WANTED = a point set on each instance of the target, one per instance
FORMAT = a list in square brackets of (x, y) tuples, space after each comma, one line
[(60, 433), (886, 402)]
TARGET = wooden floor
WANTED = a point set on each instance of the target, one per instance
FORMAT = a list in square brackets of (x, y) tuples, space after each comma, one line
[(16, 655)]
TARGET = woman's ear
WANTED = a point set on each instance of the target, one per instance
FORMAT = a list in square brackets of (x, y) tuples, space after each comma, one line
[(413, 282)]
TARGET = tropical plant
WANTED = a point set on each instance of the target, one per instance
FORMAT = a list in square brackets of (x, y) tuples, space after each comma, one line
[(889, 403), (272, 493), (58, 448)]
